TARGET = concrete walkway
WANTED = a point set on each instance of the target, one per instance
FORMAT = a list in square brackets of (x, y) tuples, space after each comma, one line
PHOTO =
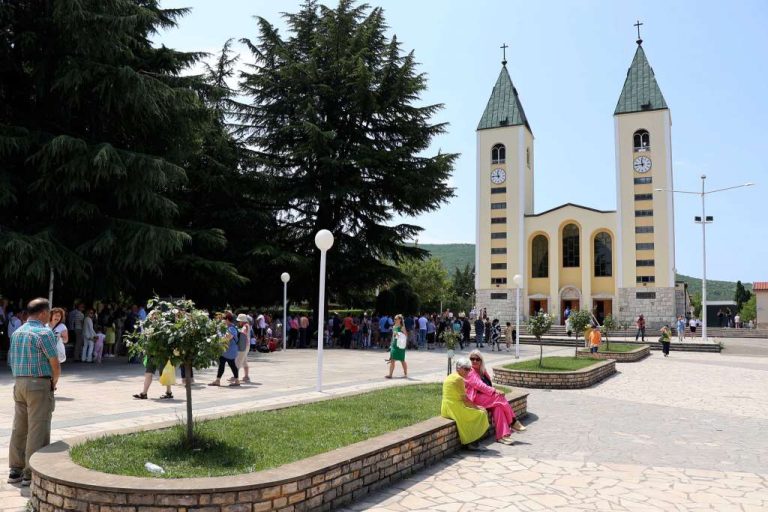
[(678, 433)]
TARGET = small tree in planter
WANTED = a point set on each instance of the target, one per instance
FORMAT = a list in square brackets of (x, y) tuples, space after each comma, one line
[(182, 334), (579, 321), (609, 324), (451, 339), (538, 325)]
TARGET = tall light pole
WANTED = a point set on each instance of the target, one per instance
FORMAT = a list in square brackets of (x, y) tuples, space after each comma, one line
[(285, 277), (518, 280), (703, 220), (323, 241)]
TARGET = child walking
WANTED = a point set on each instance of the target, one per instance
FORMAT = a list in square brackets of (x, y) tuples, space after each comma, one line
[(98, 348)]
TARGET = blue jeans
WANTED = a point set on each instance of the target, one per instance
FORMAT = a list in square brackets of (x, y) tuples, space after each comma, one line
[(422, 337)]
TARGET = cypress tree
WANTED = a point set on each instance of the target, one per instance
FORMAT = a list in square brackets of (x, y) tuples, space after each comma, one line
[(336, 132)]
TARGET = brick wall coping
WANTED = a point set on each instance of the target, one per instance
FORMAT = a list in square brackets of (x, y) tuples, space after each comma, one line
[(586, 369), (53, 463), (631, 356)]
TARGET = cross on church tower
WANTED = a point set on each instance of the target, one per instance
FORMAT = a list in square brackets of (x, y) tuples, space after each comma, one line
[(504, 49), (638, 25)]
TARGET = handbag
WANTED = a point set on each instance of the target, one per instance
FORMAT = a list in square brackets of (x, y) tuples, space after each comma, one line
[(402, 341), (61, 351), (168, 377)]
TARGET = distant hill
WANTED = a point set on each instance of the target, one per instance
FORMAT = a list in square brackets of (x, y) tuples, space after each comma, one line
[(453, 256), (459, 255)]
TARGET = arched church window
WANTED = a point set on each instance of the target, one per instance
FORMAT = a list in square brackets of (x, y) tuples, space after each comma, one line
[(603, 255), (540, 256), (642, 140), (498, 154), (571, 246)]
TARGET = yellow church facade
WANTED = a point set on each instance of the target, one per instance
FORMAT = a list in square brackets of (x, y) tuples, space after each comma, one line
[(619, 262)]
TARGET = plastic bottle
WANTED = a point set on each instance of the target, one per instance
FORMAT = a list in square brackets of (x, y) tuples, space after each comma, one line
[(154, 468)]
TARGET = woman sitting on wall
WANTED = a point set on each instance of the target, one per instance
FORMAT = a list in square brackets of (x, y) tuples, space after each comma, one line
[(480, 392), (471, 420)]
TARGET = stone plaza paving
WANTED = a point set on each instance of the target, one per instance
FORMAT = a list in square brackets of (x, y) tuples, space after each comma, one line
[(683, 433)]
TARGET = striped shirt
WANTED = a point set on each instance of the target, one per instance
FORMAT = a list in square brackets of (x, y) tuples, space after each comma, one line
[(31, 346)]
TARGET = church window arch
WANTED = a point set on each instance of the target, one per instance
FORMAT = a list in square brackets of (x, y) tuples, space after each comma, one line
[(540, 256), (571, 246), (641, 140), (498, 154), (603, 254)]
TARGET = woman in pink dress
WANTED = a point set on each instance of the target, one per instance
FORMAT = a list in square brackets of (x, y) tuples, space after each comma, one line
[(481, 392)]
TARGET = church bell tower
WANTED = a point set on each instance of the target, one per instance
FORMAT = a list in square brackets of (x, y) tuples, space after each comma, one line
[(504, 180), (645, 215)]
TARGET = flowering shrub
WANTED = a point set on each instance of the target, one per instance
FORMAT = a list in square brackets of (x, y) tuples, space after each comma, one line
[(183, 334)]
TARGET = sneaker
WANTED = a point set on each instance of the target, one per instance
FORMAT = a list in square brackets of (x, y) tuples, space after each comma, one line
[(15, 476)]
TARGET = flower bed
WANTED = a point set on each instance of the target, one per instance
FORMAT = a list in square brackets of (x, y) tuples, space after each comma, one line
[(321, 482), (631, 356), (575, 379)]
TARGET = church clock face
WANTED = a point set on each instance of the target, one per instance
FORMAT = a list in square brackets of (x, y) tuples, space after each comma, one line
[(642, 164), (498, 176)]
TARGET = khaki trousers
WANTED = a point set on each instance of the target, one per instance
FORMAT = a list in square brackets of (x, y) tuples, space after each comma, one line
[(31, 420)]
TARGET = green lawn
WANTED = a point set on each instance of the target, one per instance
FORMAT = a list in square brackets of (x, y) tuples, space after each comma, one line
[(552, 364), (265, 439), (618, 347)]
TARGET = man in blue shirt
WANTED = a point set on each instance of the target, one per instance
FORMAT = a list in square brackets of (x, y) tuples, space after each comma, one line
[(34, 361), (422, 330), (385, 330)]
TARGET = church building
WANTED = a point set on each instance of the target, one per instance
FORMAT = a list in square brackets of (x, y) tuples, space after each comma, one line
[(619, 262)]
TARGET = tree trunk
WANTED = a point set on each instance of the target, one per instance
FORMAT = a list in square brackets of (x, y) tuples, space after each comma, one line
[(541, 351), (188, 386)]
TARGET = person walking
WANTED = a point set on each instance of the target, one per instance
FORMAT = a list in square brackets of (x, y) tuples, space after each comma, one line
[(89, 338), (303, 331), (34, 362), (640, 328), (395, 352), (692, 325), (422, 321), (680, 328), (479, 332), (665, 340)]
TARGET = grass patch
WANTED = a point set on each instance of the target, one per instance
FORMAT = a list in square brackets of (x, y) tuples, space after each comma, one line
[(619, 347), (552, 364), (265, 439)]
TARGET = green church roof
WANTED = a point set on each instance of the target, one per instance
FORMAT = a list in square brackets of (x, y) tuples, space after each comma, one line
[(504, 108), (640, 92)]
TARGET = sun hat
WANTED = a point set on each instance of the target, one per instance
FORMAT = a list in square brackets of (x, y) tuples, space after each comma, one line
[(242, 317)]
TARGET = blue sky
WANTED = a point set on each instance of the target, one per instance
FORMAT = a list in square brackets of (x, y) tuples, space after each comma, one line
[(568, 60)]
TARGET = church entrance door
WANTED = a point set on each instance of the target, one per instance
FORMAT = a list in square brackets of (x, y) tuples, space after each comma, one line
[(603, 308), (570, 298), (538, 305)]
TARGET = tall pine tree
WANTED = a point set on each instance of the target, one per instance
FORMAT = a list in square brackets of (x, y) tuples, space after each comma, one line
[(96, 129), (335, 127)]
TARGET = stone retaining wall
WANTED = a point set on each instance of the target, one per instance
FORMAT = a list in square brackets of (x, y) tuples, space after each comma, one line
[(632, 356), (577, 379), (323, 482)]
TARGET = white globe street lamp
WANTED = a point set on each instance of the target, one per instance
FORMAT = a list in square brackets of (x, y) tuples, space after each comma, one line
[(285, 277), (518, 280), (323, 241)]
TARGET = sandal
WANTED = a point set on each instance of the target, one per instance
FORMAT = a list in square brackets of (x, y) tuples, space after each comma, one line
[(140, 396), (214, 383), (234, 384), (166, 396), (387, 376)]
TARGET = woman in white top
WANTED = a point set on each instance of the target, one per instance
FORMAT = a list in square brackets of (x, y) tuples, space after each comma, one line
[(56, 324), (89, 337)]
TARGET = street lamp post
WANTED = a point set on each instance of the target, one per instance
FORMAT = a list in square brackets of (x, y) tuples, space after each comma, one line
[(518, 280), (704, 220), (323, 241), (285, 277)]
